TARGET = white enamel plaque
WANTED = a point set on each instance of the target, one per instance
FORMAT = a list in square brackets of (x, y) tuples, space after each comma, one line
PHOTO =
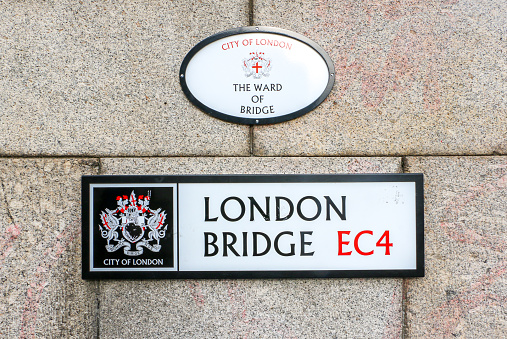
[(257, 75), (253, 226)]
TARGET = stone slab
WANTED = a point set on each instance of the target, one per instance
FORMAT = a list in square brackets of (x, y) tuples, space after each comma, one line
[(412, 78), (464, 293), (304, 308), (249, 165), (41, 290), (101, 78)]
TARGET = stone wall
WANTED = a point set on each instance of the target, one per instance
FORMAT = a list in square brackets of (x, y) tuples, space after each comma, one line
[(91, 87)]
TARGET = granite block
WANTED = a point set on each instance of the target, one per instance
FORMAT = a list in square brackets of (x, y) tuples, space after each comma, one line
[(41, 291), (248, 165), (276, 308), (464, 292), (101, 78), (338, 308), (412, 78)]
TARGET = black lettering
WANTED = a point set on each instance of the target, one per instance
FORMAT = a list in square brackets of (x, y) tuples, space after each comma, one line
[(292, 246), (207, 244), (245, 247), (228, 245), (241, 87), (330, 202), (305, 243), (253, 203), (241, 204), (268, 244), (291, 208), (257, 109), (317, 203), (206, 211)]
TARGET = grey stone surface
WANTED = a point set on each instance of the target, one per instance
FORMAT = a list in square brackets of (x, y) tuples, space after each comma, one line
[(306, 308), (249, 165), (464, 293), (41, 291), (101, 78), (412, 78), (338, 308)]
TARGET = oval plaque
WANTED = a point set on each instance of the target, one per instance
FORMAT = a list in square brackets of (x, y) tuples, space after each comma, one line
[(257, 75)]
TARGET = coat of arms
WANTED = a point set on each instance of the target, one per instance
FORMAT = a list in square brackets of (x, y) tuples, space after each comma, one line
[(133, 222), (256, 65)]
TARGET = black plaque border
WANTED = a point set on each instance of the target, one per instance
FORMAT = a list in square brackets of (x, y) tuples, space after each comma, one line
[(417, 178), (256, 29)]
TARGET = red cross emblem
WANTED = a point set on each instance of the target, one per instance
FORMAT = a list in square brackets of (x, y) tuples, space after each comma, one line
[(257, 67)]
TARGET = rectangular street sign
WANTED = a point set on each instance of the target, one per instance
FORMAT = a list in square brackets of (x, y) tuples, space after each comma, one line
[(253, 226)]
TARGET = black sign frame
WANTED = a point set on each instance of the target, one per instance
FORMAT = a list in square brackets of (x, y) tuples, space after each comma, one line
[(148, 180), (256, 29)]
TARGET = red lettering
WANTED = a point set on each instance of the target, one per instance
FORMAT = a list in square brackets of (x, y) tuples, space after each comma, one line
[(341, 242), (382, 242), (387, 244), (229, 45), (356, 243)]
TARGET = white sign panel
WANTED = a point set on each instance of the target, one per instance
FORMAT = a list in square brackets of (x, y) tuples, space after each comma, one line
[(323, 226), (257, 75), (253, 226)]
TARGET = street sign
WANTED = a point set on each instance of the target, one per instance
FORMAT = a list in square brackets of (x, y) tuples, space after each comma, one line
[(253, 226), (257, 75)]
